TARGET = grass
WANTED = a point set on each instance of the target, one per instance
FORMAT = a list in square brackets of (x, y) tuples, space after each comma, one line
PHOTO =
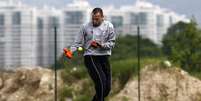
[(124, 70), (196, 74)]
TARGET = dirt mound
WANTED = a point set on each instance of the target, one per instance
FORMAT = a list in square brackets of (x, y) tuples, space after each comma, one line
[(24, 84), (171, 84)]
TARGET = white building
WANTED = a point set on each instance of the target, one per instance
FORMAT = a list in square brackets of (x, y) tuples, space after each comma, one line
[(47, 19), (152, 19), (16, 34)]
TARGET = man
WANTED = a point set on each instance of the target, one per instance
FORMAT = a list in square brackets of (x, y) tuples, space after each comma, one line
[(98, 38)]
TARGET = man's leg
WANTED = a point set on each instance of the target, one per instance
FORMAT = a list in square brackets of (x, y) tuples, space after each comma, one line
[(104, 61), (97, 75)]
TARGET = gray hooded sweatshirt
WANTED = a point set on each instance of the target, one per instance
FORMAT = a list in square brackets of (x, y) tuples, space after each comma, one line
[(103, 34)]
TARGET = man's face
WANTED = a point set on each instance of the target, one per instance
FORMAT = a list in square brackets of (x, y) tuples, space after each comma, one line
[(97, 19)]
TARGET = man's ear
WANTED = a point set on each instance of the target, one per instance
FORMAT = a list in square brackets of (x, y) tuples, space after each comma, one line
[(103, 17)]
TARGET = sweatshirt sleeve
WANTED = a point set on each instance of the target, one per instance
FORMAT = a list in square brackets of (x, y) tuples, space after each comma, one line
[(79, 40), (110, 43)]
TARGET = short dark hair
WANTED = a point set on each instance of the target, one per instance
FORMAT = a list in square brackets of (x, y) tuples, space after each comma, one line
[(97, 10)]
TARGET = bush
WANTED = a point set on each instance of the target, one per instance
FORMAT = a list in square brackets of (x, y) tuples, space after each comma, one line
[(126, 47), (182, 45), (123, 70)]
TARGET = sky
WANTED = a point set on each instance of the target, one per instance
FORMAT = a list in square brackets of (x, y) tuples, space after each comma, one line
[(187, 7)]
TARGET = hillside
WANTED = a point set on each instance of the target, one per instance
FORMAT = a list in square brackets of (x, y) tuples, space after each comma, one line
[(25, 84), (171, 84), (157, 84)]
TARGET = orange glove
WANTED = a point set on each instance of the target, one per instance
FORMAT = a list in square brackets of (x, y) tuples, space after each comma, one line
[(68, 53)]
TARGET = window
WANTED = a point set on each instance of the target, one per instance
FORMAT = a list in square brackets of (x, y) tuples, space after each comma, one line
[(117, 21), (170, 20), (2, 52), (40, 23), (134, 19), (160, 20), (143, 18), (74, 17), (40, 39), (139, 19), (2, 27), (16, 18), (54, 21), (2, 20)]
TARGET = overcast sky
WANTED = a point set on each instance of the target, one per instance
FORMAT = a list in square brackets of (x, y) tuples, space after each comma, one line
[(187, 7)]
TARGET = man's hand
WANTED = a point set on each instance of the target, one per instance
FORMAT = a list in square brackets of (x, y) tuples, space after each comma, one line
[(68, 53), (95, 44)]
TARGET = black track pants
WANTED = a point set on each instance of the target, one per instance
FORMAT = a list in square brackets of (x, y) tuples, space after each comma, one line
[(99, 70)]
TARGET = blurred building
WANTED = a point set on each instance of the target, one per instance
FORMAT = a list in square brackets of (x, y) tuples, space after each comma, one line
[(47, 19), (152, 19), (27, 33), (17, 35)]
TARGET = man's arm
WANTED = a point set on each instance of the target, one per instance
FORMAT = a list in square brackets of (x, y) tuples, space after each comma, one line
[(79, 40), (111, 38)]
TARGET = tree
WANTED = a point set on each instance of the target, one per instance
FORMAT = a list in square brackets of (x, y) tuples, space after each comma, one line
[(126, 47), (182, 45)]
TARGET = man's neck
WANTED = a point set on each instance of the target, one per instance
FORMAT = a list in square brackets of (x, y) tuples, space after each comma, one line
[(98, 25)]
